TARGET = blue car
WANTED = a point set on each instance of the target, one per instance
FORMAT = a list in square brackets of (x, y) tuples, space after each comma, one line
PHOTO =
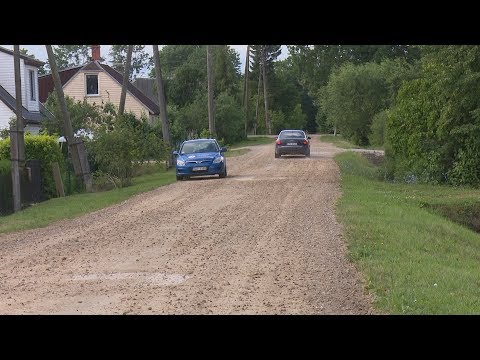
[(200, 157)]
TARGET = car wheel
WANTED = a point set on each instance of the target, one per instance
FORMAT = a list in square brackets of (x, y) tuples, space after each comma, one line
[(307, 154), (277, 156), (223, 174), (179, 177)]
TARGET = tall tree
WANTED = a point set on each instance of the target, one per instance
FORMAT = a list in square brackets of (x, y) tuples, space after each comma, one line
[(161, 98), (71, 55), (79, 156), (211, 109), (123, 96), (255, 125), (68, 56), (263, 57), (140, 59), (226, 69), (268, 123), (245, 87)]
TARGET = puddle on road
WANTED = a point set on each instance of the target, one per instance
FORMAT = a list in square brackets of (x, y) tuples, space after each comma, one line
[(138, 277)]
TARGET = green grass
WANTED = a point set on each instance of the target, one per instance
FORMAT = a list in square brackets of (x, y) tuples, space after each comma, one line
[(340, 142), (47, 212), (414, 260)]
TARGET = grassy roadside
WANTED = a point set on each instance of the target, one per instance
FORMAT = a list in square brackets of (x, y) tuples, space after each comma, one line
[(238, 148), (340, 142), (47, 212), (414, 260)]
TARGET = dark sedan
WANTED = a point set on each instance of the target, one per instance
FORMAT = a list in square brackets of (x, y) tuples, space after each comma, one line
[(292, 142)]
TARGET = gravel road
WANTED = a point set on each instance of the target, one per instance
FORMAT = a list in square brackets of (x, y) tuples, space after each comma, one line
[(264, 240)]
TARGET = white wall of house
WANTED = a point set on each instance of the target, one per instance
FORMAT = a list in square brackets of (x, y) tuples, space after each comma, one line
[(7, 75), (31, 105), (5, 115), (109, 91)]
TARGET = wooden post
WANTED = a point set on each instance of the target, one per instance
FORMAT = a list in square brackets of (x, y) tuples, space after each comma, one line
[(58, 179), (17, 199), (18, 111), (87, 176)]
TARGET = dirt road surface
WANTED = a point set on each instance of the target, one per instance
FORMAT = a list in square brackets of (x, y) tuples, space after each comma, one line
[(264, 240)]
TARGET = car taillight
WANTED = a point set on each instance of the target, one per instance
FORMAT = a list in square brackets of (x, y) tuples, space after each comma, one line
[(279, 142), (305, 142)]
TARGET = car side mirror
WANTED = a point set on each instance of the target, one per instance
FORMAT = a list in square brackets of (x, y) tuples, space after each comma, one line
[(223, 149), (308, 137), (175, 152)]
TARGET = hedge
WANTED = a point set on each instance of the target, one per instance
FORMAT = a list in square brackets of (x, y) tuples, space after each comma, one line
[(39, 147)]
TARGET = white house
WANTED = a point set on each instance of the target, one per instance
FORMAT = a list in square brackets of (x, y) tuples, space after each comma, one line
[(33, 111)]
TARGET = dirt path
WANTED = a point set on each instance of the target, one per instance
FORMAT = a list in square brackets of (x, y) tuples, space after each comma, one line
[(262, 241)]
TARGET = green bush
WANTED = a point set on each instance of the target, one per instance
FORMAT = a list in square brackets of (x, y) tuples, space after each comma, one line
[(377, 134), (229, 119), (434, 127), (116, 153), (39, 147), (278, 121)]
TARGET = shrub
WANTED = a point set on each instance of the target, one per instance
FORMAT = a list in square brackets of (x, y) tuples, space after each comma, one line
[(40, 147), (115, 154), (377, 134)]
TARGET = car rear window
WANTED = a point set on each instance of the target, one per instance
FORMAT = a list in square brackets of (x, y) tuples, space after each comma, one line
[(291, 134)]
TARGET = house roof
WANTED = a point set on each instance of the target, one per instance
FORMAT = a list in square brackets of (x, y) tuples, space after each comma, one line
[(28, 116), (147, 86), (28, 59), (46, 85), (45, 82)]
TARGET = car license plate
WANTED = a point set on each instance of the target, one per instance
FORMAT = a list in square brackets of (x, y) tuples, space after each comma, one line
[(291, 143), (200, 168)]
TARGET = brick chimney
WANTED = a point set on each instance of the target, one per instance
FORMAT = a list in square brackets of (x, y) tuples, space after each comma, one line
[(96, 52)]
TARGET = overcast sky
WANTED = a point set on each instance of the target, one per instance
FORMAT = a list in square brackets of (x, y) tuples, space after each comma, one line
[(40, 52)]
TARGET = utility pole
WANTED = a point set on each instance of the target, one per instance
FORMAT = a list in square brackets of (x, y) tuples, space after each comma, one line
[(17, 142)]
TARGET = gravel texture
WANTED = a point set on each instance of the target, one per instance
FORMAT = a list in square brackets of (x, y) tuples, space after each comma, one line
[(264, 240)]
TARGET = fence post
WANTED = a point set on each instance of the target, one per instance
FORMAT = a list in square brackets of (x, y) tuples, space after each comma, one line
[(58, 180), (17, 199)]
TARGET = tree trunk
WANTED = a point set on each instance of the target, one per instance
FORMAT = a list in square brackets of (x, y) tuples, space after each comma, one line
[(79, 157), (17, 144), (258, 97), (126, 79), (268, 123), (245, 88), (162, 103), (211, 109)]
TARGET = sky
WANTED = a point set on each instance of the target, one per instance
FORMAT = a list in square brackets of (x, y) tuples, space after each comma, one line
[(40, 52)]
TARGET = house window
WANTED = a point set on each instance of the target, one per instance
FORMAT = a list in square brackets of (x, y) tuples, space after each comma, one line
[(92, 84), (31, 74)]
